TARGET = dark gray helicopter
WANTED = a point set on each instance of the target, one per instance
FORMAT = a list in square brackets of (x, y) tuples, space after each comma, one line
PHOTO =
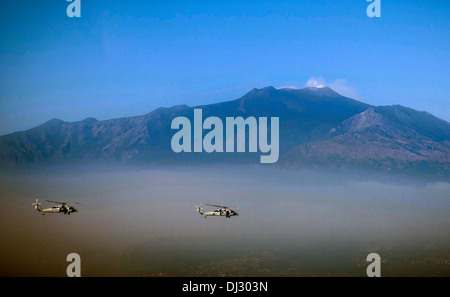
[(222, 211), (63, 207)]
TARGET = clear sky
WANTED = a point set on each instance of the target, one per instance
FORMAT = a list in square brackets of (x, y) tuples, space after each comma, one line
[(124, 58)]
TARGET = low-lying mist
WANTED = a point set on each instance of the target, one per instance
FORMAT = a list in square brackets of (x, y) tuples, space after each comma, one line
[(136, 222)]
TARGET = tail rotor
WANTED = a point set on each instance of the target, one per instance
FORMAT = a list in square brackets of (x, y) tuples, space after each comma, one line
[(199, 208), (37, 205)]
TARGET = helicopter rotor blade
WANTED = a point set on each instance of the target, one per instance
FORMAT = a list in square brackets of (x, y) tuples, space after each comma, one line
[(221, 206), (56, 202), (63, 203), (224, 207)]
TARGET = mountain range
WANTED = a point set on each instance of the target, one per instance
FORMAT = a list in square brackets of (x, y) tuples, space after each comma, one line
[(318, 127)]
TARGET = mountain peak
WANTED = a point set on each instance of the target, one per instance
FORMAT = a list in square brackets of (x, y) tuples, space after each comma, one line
[(322, 91), (257, 93), (89, 120), (270, 90), (167, 110), (267, 89), (363, 120), (53, 122), (316, 91)]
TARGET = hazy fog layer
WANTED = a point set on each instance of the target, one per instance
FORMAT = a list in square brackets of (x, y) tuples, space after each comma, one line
[(143, 222)]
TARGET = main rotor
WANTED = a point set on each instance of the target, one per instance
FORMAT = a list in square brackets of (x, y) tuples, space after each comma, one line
[(63, 203)]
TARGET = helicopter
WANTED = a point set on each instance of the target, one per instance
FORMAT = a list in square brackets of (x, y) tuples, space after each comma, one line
[(222, 211), (63, 207)]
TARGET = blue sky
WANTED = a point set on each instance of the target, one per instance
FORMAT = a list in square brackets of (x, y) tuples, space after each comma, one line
[(124, 58)]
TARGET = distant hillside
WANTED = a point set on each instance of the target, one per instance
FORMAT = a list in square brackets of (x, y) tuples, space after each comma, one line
[(387, 137), (317, 127)]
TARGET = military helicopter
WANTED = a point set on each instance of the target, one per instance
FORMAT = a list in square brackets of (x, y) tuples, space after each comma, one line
[(222, 211), (63, 207)]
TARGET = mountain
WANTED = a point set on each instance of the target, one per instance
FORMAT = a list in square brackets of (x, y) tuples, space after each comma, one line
[(386, 137), (317, 127)]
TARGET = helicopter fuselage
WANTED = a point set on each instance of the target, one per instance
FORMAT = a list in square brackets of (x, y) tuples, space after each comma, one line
[(63, 208), (223, 212)]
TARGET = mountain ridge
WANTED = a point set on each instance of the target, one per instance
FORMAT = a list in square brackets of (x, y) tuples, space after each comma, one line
[(318, 126)]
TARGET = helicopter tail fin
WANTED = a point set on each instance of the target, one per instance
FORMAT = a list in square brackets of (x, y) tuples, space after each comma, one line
[(199, 209), (37, 205)]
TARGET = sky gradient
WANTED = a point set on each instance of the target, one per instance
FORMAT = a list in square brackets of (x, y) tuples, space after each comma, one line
[(125, 58)]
